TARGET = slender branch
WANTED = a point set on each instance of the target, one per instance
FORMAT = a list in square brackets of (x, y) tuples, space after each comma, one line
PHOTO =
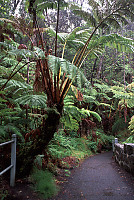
[(11, 76), (64, 49), (82, 52), (23, 31), (57, 27), (13, 69)]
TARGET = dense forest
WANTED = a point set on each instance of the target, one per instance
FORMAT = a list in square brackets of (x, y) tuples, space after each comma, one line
[(66, 80)]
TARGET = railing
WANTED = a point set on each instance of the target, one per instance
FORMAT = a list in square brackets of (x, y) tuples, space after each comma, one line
[(12, 167), (115, 141)]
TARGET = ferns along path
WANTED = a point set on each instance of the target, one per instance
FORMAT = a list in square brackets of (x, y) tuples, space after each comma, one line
[(98, 178)]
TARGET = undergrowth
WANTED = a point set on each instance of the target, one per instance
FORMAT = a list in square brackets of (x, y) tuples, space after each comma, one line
[(64, 152), (130, 139), (62, 146), (44, 183)]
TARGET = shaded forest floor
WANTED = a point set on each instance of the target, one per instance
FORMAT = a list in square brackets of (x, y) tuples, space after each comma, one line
[(23, 187), (98, 176)]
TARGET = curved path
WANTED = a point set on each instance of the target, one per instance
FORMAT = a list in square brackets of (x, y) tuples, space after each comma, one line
[(98, 178)]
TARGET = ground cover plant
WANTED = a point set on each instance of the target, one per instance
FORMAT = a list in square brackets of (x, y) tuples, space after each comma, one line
[(44, 183)]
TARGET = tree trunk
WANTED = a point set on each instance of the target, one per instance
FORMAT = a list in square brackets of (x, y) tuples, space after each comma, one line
[(94, 67), (40, 138), (124, 77), (100, 67)]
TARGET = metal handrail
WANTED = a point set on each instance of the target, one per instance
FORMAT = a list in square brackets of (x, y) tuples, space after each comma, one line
[(5, 143), (12, 167), (5, 170)]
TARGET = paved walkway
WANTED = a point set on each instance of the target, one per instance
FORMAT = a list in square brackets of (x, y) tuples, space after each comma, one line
[(98, 178)]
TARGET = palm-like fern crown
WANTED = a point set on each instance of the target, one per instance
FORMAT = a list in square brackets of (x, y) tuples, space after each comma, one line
[(51, 73), (120, 9), (104, 14)]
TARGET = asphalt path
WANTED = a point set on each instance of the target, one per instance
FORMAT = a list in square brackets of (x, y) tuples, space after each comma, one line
[(98, 178)]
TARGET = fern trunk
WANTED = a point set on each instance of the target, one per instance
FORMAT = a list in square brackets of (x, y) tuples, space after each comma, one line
[(40, 139)]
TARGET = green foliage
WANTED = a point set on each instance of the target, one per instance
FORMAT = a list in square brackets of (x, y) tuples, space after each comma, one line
[(9, 119), (131, 125), (4, 8), (72, 115), (117, 13), (16, 87), (60, 146), (44, 183), (104, 139), (22, 109), (129, 140), (119, 124), (70, 70), (34, 101), (63, 145), (3, 194), (121, 94)]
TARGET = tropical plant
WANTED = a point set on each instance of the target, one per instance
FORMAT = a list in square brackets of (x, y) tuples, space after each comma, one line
[(131, 126), (53, 76), (72, 115)]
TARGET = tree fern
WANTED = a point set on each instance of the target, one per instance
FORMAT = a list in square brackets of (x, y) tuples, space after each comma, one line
[(103, 8), (103, 12), (95, 114), (122, 94), (69, 69), (90, 99)]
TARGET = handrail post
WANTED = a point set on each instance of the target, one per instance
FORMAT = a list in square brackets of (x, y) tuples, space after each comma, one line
[(13, 161), (115, 141)]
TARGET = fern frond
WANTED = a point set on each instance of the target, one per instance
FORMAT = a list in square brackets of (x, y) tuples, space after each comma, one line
[(95, 114), (131, 125), (10, 128), (107, 105), (16, 86), (122, 95), (34, 101), (131, 86), (128, 102), (70, 70)]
